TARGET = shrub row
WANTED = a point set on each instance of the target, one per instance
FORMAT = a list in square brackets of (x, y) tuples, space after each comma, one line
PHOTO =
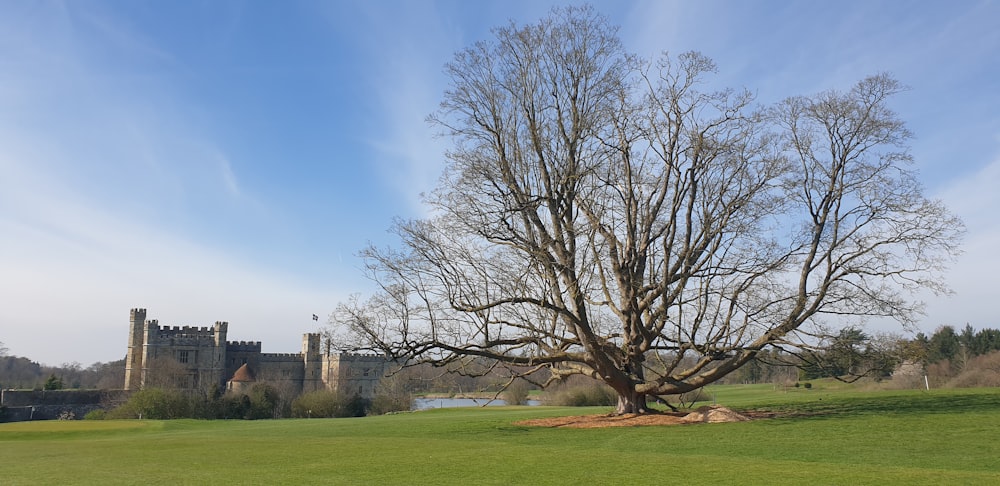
[(261, 401)]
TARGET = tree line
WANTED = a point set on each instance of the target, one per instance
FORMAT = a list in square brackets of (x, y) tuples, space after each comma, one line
[(22, 373), (851, 354), (947, 344)]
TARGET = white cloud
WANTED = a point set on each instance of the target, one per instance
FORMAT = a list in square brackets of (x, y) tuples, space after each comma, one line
[(85, 267), (226, 173), (973, 277)]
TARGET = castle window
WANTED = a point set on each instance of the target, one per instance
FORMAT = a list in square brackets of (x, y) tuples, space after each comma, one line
[(182, 356)]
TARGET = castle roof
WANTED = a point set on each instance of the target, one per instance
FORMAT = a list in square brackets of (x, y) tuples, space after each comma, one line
[(243, 374)]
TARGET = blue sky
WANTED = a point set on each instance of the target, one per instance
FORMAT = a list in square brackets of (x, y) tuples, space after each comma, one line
[(227, 160)]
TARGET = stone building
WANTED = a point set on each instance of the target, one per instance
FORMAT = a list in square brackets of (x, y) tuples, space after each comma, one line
[(201, 358)]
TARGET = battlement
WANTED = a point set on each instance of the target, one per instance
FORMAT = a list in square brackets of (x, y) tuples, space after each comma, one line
[(281, 357), (360, 357), (245, 346), (185, 331)]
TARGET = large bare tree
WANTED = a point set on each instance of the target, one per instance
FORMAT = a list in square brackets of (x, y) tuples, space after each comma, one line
[(609, 216)]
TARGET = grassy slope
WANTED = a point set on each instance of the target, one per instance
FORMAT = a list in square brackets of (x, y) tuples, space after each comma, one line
[(851, 438)]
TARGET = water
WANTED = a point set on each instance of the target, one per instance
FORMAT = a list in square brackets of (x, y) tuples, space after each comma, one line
[(428, 403)]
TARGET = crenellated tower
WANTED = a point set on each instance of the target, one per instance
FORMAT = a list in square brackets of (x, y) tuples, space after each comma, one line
[(134, 357), (312, 376)]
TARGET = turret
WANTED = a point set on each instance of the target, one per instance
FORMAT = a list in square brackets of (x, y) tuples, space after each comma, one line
[(312, 363), (221, 328), (136, 341)]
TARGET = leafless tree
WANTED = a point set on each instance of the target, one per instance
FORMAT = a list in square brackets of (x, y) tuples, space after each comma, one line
[(169, 374), (608, 216)]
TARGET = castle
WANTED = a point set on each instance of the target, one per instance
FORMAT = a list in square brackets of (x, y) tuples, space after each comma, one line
[(201, 357)]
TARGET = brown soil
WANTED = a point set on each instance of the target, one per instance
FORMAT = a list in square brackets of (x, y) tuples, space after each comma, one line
[(707, 414)]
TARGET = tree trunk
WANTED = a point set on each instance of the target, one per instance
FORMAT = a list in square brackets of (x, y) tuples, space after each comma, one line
[(631, 402)]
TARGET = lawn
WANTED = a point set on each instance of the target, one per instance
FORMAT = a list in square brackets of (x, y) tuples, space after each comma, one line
[(827, 435)]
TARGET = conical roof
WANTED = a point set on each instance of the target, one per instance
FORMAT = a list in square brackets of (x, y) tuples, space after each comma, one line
[(243, 374)]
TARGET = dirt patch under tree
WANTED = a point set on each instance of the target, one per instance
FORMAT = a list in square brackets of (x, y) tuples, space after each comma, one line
[(706, 414)]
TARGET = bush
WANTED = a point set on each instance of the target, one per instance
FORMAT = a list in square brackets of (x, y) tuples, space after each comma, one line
[(98, 414), (981, 371), (320, 403), (517, 393), (391, 395), (939, 373), (329, 404), (53, 383), (808, 385), (586, 395), (153, 403), (263, 402), (232, 406)]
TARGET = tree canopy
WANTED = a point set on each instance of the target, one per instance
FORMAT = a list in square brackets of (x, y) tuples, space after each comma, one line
[(606, 215)]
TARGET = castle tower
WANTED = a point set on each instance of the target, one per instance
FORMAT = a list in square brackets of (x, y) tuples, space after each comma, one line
[(136, 342), (220, 331), (313, 364)]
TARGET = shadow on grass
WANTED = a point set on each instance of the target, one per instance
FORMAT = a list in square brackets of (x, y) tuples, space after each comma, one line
[(948, 401)]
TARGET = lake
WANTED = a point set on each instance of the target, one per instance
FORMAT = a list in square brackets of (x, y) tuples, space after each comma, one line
[(428, 403)]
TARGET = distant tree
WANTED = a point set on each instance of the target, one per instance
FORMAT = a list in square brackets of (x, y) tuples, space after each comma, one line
[(3, 350), (328, 404), (18, 372), (987, 341), (618, 218), (316, 404), (769, 366), (852, 354), (285, 390), (943, 345), (155, 404), (264, 402), (392, 394), (516, 393), (846, 353), (71, 374), (167, 373), (106, 376), (53, 383), (947, 344), (967, 338)]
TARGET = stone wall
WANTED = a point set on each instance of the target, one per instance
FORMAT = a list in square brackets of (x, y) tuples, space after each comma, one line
[(353, 373), (20, 405)]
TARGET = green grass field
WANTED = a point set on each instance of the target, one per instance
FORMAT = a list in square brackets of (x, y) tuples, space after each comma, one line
[(836, 435)]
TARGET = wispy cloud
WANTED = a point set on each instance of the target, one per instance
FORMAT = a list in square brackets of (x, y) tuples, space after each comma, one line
[(974, 198), (228, 176), (407, 51)]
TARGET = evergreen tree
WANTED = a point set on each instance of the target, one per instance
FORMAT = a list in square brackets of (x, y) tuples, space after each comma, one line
[(53, 383)]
